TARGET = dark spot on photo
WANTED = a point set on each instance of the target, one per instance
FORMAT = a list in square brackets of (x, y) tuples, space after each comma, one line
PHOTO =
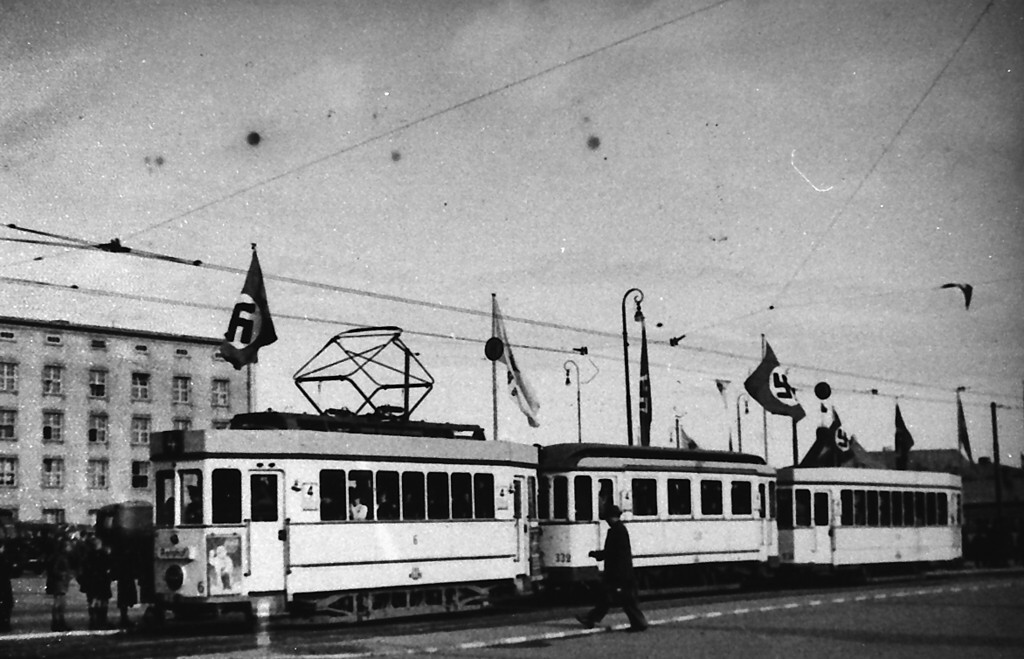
[(395, 156), (159, 160), (593, 142), (253, 138)]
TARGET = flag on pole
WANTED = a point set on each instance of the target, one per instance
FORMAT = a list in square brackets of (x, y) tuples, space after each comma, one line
[(770, 387), (517, 384), (687, 441), (722, 386), (963, 441), (251, 326), (645, 389), (904, 441), (833, 447)]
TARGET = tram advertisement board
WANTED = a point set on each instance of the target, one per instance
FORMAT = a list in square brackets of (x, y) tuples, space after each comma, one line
[(224, 564)]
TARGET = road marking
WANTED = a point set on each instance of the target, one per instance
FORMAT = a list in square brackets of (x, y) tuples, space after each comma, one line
[(712, 614), (838, 600), (814, 603), (791, 605), (880, 596), (768, 608), (739, 612)]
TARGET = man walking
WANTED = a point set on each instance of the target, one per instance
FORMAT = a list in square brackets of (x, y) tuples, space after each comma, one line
[(619, 582)]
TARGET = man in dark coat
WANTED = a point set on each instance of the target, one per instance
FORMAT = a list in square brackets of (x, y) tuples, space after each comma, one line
[(619, 582)]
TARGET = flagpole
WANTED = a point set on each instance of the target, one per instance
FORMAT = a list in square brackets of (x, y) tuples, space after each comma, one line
[(248, 387), (494, 369), (796, 454), (764, 412), (996, 476)]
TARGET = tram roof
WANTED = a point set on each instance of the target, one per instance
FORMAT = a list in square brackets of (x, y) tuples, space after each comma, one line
[(859, 476), (570, 456), (283, 444)]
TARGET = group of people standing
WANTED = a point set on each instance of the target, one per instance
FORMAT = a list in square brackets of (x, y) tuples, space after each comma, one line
[(94, 570)]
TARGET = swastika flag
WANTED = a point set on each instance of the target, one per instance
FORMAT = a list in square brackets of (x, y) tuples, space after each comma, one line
[(770, 387), (251, 326)]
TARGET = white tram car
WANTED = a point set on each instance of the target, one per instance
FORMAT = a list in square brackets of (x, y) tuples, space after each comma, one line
[(691, 514), (834, 518), (348, 521)]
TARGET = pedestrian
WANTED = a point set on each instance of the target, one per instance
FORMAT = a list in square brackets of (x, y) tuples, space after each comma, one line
[(58, 579), (127, 593), (6, 593), (619, 583), (95, 582)]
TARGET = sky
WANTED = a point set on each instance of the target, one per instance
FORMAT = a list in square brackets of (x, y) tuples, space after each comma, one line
[(805, 170)]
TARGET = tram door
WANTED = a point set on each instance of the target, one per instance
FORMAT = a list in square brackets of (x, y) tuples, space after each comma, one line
[(266, 532), (519, 509)]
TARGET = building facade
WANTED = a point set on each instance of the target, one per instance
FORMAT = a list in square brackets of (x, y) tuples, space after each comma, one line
[(79, 402)]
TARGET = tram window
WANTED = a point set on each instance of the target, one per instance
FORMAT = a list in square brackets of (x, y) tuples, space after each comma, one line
[(872, 507), (741, 502), (263, 492), (920, 511), (762, 511), (645, 497), (413, 500), (605, 497), (462, 496), (583, 491), (932, 505), (943, 505), (165, 496), (771, 500), (885, 508), (191, 497), (711, 497), (860, 512), (531, 505), (226, 496), (360, 495), (437, 495), (387, 495), (959, 510), (483, 497), (908, 508), (785, 509), (897, 509), (332, 495), (679, 497), (803, 508), (560, 498), (846, 507), (821, 511), (543, 498)]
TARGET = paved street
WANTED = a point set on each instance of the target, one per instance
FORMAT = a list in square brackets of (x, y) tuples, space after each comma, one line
[(976, 616)]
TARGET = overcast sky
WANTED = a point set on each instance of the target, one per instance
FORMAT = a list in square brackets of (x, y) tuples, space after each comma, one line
[(810, 170)]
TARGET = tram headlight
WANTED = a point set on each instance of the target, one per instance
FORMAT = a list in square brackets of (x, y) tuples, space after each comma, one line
[(174, 577)]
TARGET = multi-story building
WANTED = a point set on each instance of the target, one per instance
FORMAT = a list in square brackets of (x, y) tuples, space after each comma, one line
[(78, 404)]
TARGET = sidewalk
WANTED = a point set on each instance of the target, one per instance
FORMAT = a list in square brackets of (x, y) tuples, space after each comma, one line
[(31, 616)]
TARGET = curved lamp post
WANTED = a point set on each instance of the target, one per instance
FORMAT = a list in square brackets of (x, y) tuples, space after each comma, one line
[(579, 413), (638, 298)]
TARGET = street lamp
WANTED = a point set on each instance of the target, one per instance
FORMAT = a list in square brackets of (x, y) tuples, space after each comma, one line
[(739, 424), (579, 413), (638, 298)]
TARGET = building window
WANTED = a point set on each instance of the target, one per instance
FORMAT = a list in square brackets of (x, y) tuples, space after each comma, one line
[(97, 474), (220, 393), (6, 335), (181, 352), (98, 344), (141, 427), (8, 472), (183, 424), (181, 389), (8, 377), (140, 474), (140, 386), (54, 516), (141, 348), (54, 339), (97, 383), (9, 425), (53, 472), (221, 424), (53, 427), (52, 378), (98, 426)]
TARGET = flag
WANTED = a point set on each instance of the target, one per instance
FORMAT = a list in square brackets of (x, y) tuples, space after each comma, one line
[(687, 441), (251, 326), (963, 442), (517, 384), (833, 447), (722, 386), (904, 441), (771, 388), (645, 389)]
